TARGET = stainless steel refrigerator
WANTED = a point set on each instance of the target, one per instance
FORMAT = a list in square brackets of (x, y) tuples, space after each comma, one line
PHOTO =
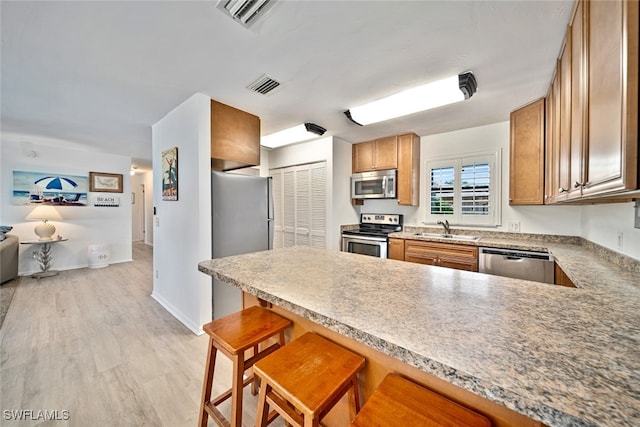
[(242, 222)]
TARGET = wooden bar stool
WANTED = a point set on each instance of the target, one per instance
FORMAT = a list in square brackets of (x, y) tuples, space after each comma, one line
[(400, 402), (305, 379), (233, 335)]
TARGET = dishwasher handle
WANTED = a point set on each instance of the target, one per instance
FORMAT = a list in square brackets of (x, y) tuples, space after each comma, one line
[(513, 258), (513, 254)]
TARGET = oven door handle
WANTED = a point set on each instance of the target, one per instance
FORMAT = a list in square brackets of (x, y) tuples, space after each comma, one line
[(364, 238)]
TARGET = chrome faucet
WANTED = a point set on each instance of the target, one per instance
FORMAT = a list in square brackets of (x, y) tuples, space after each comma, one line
[(445, 224)]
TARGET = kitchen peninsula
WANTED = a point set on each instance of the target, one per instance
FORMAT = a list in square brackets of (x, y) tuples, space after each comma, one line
[(557, 355)]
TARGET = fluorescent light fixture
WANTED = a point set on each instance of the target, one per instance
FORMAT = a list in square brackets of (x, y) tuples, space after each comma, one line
[(431, 95), (292, 135)]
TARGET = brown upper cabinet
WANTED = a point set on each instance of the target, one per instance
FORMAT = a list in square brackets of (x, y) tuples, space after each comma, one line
[(611, 155), (408, 170), (235, 138), (374, 155), (552, 139), (526, 177), (591, 152)]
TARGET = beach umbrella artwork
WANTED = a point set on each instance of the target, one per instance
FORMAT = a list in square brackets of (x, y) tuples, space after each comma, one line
[(59, 183)]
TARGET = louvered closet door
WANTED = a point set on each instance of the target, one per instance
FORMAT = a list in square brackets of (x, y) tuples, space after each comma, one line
[(300, 205), (278, 226), (318, 192), (303, 205), (289, 207)]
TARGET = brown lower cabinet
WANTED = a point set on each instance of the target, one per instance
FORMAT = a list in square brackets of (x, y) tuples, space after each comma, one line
[(396, 249), (561, 277), (450, 255)]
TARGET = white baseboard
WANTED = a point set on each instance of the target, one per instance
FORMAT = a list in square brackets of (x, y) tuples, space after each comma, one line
[(196, 329)]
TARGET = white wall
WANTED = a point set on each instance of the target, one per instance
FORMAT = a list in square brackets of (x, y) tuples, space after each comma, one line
[(602, 223), (343, 211), (182, 228), (337, 154), (83, 226)]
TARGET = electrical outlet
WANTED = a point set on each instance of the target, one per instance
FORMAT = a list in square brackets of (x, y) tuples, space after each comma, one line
[(157, 222), (156, 274), (514, 226), (620, 236)]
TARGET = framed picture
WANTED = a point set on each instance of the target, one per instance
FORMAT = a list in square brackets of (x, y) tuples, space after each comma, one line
[(49, 188), (170, 174), (105, 182)]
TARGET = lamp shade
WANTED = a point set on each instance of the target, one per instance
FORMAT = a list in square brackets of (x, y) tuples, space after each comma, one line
[(44, 230), (43, 212)]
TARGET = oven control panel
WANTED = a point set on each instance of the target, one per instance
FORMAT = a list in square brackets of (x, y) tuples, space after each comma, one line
[(388, 219)]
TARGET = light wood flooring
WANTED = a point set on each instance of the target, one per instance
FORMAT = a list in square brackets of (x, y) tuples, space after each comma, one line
[(94, 343)]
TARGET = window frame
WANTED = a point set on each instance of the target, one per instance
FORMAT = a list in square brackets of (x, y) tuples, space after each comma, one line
[(494, 160)]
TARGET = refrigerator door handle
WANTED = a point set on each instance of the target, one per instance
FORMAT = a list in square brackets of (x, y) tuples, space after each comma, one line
[(270, 197), (270, 213)]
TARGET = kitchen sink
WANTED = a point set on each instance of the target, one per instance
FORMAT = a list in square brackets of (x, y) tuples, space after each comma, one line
[(450, 236)]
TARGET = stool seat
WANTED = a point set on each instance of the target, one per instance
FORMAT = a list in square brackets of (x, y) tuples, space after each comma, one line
[(400, 402), (234, 335), (242, 330), (311, 374)]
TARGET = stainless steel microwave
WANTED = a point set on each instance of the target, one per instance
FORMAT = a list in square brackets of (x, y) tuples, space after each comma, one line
[(374, 185)]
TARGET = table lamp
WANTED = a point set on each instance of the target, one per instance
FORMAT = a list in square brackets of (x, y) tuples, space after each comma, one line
[(44, 230)]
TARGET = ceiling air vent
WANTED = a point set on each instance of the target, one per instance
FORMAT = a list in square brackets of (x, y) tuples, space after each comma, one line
[(246, 12), (264, 84)]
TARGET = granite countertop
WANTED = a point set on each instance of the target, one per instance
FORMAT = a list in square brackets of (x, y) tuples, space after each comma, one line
[(588, 265), (563, 356)]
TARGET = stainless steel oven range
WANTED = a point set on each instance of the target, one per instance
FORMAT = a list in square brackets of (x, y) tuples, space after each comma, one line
[(371, 237)]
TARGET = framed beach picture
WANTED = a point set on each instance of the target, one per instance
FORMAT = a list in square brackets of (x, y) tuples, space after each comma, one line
[(31, 188), (170, 174), (105, 182)]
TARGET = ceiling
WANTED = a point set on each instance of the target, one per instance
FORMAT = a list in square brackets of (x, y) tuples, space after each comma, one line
[(102, 73)]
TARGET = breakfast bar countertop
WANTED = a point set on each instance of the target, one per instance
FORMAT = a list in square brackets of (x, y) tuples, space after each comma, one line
[(562, 356)]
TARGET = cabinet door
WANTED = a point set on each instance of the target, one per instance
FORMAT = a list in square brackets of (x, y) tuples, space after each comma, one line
[(459, 264), (386, 153), (552, 125), (578, 95), (461, 257), (235, 137), (612, 40), (363, 156), (526, 174), (564, 139), (396, 249), (408, 170)]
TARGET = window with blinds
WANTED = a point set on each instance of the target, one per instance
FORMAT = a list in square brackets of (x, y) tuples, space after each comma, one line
[(442, 190), (465, 190), (474, 188)]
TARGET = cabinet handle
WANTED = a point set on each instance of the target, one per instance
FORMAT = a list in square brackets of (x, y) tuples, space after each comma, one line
[(562, 190), (578, 184)]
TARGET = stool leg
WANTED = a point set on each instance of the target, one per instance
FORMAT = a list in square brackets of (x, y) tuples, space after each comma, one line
[(237, 390), (262, 411), (254, 383), (207, 383), (354, 402)]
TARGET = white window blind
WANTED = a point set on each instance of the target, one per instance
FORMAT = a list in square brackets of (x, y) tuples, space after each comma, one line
[(465, 190), (300, 205)]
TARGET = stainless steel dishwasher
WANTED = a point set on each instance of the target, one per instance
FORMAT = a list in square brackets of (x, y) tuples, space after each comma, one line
[(528, 265)]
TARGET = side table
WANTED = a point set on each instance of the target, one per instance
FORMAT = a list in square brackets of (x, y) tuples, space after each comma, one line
[(43, 256)]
